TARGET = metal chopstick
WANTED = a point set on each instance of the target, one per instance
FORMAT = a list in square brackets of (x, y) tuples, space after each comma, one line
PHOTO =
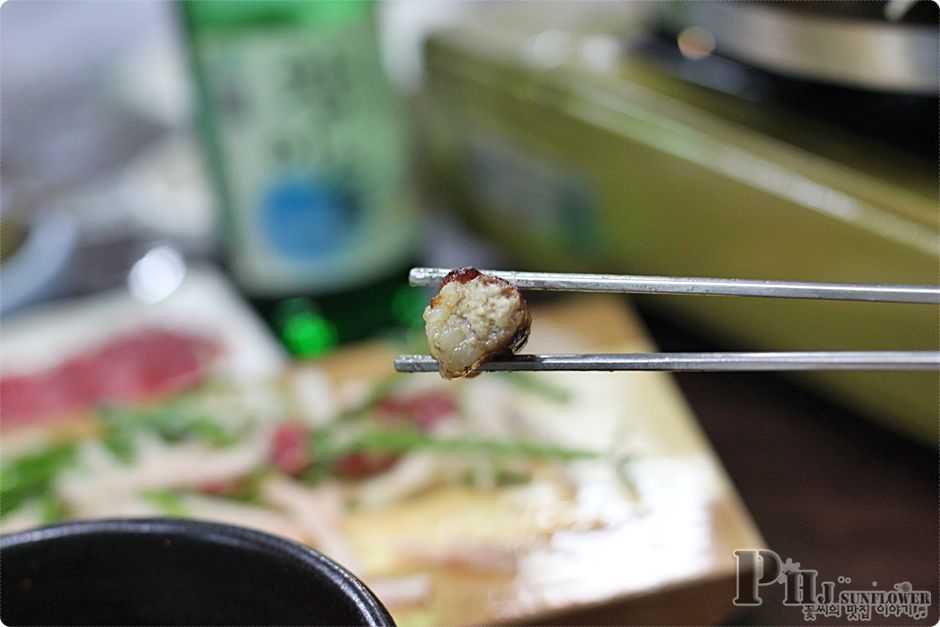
[(636, 284), (698, 362)]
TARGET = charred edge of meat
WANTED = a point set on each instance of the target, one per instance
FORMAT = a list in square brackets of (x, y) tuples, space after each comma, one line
[(519, 337), (465, 275)]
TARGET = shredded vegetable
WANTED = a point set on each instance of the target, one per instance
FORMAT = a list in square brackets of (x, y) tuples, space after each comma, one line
[(31, 476), (171, 423), (327, 446)]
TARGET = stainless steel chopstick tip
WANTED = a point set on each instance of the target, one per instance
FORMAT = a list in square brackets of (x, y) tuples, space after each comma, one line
[(639, 284), (697, 362)]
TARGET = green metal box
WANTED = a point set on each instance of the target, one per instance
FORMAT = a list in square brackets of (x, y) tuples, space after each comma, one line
[(577, 157)]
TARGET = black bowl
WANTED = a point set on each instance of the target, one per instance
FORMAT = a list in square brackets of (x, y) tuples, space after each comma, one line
[(174, 572)]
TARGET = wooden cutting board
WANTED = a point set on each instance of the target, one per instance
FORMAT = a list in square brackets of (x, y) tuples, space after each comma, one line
[(657, 552)]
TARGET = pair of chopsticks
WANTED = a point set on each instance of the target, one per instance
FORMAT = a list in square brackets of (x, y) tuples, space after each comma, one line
[(699, 362)]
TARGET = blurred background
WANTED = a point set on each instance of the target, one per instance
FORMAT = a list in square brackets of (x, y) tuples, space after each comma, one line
[(312, 152)]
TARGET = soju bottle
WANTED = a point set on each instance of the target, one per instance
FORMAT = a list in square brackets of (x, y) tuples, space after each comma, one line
[(305, 141)]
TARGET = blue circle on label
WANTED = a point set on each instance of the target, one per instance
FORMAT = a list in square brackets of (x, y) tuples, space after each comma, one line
[(305, 219)]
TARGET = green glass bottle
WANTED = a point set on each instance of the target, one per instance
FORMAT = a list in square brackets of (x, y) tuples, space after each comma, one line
[(305, 141)]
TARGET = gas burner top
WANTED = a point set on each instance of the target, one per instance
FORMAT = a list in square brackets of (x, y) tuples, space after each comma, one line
[(868, 66)]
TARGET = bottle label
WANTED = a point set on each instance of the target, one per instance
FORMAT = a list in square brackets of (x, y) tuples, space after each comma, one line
[(311, 158)]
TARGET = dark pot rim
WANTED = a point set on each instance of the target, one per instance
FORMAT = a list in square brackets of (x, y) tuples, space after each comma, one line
[(371, 609)]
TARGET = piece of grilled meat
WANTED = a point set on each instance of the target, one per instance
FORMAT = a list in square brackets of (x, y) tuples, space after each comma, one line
[(473, 318)]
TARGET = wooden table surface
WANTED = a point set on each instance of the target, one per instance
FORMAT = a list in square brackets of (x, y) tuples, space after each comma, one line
[(827, 488)]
